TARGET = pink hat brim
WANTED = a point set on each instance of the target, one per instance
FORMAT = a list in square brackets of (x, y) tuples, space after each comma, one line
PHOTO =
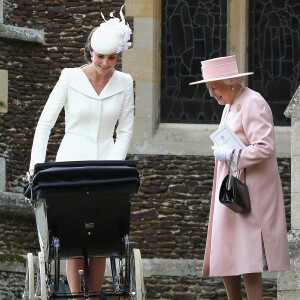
[(220, 78)]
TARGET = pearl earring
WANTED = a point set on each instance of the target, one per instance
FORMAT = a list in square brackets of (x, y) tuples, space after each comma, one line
[(92, 58), (232, 88)]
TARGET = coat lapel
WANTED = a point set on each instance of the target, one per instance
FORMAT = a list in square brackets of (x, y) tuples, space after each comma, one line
[(113, 87), (83, 86)]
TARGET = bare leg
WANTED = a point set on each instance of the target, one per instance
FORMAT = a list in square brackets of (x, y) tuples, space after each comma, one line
[(96, 273), (73, 265), (253, 284), (233, 287), (97, 269)]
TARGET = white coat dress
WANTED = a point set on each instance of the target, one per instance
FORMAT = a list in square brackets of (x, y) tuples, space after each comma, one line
[(90, 118)]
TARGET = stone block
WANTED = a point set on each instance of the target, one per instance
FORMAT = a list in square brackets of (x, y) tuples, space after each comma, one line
[(288, 281), (3, 89), (142, 129), (2, 174), (288, 295), (144, 99), (139, 63), (182, 139), (237, 32), (143, 8), (144, 33), (295, 211), (142, 136), (14, 203), (22, 33), (283, 141), (295, 174), (295, 139), (173, 267), (12, 263), (1, 11)]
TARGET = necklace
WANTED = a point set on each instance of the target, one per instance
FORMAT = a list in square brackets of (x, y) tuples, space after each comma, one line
[(236, 97), (101, 82)]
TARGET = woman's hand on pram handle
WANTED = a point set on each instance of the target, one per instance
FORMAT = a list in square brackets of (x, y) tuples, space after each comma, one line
[(28, 177)]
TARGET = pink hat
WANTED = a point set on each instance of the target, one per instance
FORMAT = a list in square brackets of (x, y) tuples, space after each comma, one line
[(220, 68)]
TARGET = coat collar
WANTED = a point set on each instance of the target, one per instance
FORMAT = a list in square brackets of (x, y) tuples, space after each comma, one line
[(113, 87), (82, 84)]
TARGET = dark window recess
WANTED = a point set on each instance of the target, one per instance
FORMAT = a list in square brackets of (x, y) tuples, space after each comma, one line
[(192, 31), (274, 50)]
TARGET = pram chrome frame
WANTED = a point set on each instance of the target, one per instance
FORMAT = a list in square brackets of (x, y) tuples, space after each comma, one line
[(55, 188)]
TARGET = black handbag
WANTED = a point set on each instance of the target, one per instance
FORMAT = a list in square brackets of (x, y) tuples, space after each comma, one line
[(233, 192)]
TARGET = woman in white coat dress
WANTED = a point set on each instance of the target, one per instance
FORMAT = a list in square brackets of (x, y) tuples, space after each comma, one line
[(95, 97)]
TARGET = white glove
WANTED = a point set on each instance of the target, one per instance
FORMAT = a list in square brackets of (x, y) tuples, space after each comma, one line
[(221, 154)]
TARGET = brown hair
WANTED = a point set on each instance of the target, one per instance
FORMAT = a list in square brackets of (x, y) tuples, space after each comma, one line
[(88, 48)]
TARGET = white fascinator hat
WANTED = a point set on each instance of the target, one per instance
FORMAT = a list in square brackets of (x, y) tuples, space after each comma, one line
[(111, 36)]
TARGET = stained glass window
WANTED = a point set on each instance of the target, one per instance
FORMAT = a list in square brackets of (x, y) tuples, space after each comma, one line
[(274, 52), (192, 31)]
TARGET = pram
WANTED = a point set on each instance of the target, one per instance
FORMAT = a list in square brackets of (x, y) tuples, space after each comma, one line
[(82, 209)]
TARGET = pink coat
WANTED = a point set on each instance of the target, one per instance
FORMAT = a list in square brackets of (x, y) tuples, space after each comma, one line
[(234, 241)]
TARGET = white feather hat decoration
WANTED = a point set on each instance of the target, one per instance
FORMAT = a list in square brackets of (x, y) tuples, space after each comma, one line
[(111, 36)]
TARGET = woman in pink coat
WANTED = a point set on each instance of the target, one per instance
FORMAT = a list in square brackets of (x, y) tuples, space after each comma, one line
[(245, 244)]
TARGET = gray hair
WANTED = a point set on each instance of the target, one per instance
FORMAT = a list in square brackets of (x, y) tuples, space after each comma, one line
[(236, 80)]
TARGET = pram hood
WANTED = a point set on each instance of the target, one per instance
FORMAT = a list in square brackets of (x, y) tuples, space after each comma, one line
[(68, 178)]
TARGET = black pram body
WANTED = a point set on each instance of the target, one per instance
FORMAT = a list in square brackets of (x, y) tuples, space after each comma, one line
[(85, 204)]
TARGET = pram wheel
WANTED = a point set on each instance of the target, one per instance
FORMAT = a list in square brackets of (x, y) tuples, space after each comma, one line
[(137, 288), (29, 279), (128, 277), (41, 291)]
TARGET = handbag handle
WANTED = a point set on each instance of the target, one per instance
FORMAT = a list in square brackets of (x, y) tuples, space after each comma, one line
[(237, 164)]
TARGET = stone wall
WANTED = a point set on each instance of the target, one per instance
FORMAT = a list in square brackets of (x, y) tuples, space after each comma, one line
[(161, 287), (171, 211), (192, 288), (11, 285), (168, 218)]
